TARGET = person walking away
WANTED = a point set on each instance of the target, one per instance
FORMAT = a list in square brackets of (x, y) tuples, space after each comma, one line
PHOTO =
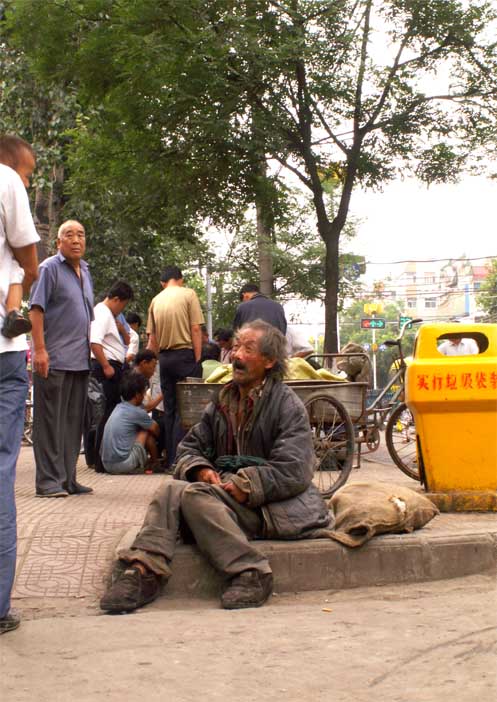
[(18, 238), (174, 327), (254, 305)]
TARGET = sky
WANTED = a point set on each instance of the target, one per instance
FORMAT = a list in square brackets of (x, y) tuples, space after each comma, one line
[(410, 221)]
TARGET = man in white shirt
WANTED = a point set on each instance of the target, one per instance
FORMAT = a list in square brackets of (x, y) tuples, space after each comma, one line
[(108, 356), (459, 347), (298, 345), (18, 238)]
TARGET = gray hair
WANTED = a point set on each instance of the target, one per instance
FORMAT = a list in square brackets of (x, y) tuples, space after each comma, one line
[(65, 225), (272, 345)]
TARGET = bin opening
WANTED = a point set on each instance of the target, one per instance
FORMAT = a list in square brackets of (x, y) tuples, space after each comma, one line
[(462, 343)]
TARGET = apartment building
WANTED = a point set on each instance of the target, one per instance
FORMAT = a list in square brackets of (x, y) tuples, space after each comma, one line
[(438, 290)]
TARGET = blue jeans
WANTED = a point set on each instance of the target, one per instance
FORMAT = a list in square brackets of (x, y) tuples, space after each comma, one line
[(13, 393)]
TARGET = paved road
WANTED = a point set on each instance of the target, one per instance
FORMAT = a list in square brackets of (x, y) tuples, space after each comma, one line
[(416, 643)]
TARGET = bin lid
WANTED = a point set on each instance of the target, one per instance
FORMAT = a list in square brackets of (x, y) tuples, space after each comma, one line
[(437, 340)]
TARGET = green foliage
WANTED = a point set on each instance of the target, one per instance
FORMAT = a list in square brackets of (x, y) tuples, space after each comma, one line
[(487, 299), (186, 103), (39, 112)]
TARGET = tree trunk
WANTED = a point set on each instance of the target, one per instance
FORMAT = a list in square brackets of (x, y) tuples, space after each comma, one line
[(48, 204), (265, 256), (42, 208), (331, 237)]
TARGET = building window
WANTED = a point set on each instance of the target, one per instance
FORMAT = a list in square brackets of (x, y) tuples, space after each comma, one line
[(477, 285), (430, 302), (411, 303), (430, 279)]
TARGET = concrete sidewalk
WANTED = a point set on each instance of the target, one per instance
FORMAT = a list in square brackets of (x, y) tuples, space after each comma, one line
[(66, 545)]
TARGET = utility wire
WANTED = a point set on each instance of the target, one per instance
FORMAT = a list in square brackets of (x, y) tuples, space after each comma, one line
[(428, 260)]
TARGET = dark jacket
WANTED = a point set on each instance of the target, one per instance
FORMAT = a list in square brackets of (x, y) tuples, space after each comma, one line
[(280, 434), (260, 307)]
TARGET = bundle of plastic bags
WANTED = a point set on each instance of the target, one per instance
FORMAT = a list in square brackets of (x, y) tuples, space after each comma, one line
[(297, 369)]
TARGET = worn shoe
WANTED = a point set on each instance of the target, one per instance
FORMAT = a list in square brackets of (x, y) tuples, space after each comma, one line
[(78, 489), (249, 589), (130, 590), (158, 465), (11, 621), (15, 325), (53, 492)]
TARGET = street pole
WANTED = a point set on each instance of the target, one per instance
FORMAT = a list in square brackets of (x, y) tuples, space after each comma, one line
[(374, 358), (208, 294)]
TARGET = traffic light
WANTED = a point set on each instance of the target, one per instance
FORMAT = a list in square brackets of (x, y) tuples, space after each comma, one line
[(373, 323), (403, 319)]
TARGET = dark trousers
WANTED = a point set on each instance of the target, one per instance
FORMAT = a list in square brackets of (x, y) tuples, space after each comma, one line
[(112, 398), (221, 527), (175, 365), (158, 416), (58, 414)]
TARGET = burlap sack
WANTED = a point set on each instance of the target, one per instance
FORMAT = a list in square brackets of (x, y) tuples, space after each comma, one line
[(365, 509), (358, 368)]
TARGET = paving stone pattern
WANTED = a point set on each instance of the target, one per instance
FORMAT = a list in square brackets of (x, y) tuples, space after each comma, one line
[(65, 545)]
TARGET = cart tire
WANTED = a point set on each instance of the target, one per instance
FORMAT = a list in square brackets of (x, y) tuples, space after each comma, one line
[(333, 439), (400, 435)]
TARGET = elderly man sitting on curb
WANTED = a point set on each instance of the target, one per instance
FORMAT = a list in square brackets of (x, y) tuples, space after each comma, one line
[(243, 473)]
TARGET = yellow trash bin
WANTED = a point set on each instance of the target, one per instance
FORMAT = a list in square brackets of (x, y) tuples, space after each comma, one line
[(453, 399)]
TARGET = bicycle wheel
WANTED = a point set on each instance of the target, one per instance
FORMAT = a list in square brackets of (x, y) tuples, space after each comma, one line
[(333, 439), (400, 435)]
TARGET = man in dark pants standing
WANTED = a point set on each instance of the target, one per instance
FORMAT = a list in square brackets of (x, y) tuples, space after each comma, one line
[(61, 309), (108, 356), (174, 328), (255, 305)]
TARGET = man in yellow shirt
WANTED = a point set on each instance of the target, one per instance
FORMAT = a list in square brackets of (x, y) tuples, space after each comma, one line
[(174, 328)]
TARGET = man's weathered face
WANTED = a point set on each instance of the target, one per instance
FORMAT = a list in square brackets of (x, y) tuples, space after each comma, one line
[(249, 365), (72, 241)]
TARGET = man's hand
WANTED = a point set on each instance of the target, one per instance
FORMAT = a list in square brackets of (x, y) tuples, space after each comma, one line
[(235, 492), (41, 362), (109, 371), (207, 475)]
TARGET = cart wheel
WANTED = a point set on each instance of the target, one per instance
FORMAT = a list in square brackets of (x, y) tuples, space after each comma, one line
[(372, 439), (333, 438), (400, 435)]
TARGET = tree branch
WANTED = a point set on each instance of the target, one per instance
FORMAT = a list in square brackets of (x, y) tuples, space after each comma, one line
[(362, 69), (326, 127), (429, 98), (388, 83), (294, 170)]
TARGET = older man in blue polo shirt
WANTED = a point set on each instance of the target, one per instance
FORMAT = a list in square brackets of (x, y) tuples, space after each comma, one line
[(61, 309)]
